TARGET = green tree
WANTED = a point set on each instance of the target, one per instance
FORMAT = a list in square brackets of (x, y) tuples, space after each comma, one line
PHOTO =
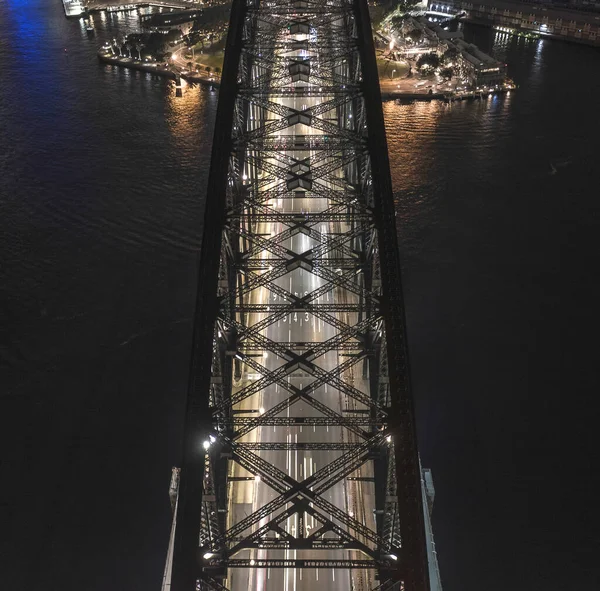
[(450, 55), (207, 69), (415, 35), (447, 73), (173, 35), (406, 5), (396, 21), (428, 62), (218, 70)]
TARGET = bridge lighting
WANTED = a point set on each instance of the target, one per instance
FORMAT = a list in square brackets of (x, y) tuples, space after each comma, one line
[(300, 152)]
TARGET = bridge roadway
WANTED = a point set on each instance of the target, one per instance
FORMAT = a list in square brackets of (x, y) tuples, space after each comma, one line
[(354, 497), (299, 329)]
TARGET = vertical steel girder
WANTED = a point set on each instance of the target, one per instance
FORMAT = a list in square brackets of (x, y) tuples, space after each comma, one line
[(299, 347)]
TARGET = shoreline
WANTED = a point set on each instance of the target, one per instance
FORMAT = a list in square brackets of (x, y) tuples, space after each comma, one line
[(559, 23), (410, 97), (407, 97), (448, 96), (133, 64)]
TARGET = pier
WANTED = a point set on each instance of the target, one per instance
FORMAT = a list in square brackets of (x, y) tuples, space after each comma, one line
[(73, 8)]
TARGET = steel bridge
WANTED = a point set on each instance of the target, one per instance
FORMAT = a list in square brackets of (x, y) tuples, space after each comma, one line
[(300, 467)]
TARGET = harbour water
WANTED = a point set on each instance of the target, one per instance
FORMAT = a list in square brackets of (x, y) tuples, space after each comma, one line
[(102, 176)]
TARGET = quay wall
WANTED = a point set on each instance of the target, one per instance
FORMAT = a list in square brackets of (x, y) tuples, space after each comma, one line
[(164, 72), (447, 97), (117, 61), (557, 23)]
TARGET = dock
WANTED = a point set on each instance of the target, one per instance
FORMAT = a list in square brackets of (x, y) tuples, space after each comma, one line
[(73, 8), (124, 6), (153, 68), (127, 62), (447, 97)]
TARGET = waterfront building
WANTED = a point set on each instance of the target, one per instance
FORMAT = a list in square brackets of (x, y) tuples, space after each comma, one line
[(547, 20), (473, 66), (479, 68), (428, 37)]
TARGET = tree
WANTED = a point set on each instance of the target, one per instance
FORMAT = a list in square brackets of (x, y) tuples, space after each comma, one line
[(447, 73), (207, 69), (406, 5), (189, 65), (428, 62), (450, 55), (173, 35), (218, 70), (415, 35), (396, 21)]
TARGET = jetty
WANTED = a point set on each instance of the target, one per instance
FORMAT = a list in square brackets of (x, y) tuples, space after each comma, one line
[(73, 8)]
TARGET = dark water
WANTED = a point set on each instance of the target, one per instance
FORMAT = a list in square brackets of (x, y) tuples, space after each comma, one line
[(102, 176)]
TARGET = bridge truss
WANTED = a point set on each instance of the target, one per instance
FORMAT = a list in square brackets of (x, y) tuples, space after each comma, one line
[(300, 456)]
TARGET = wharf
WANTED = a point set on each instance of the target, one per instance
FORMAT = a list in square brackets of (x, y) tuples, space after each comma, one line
[(153, 68), (73, 8), (132, 64), (576, 23), (124, 6), (412, 96), (447, 97)]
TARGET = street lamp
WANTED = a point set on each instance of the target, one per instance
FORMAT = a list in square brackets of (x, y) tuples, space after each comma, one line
[(393, 71)]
